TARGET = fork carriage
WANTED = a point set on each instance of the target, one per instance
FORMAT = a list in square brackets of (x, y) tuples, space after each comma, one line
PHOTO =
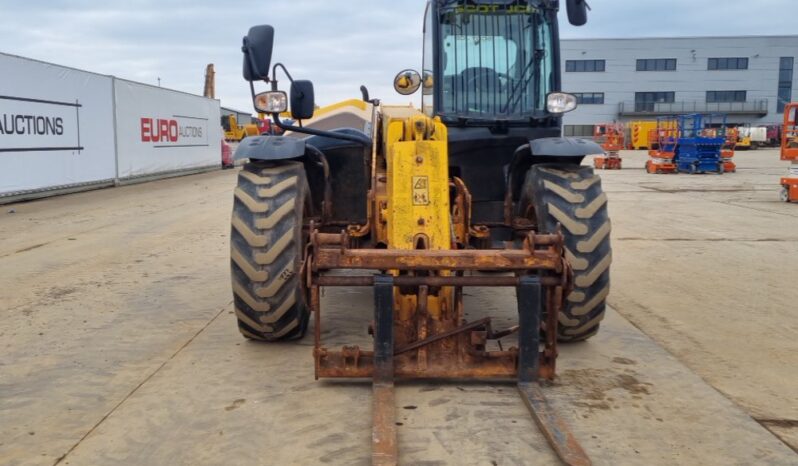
[(443, 344), (412, 343)]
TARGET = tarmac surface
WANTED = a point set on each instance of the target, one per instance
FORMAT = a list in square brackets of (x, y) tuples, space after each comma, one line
[(118, 344)]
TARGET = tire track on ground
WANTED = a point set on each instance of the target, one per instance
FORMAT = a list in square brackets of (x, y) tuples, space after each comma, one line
[(141, 384)]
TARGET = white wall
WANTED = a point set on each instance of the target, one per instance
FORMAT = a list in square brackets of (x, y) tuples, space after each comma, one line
[(160, 130), (691, 80), (56, 126), (66, 128)]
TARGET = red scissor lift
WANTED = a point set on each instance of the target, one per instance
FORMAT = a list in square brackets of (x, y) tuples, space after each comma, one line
[(661, 155), (789, 152), (610, 136)]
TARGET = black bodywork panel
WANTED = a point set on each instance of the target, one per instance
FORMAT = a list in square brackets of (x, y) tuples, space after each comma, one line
[(564, 147), (349, 177), (270, 148), (349, 168), (482, 157)]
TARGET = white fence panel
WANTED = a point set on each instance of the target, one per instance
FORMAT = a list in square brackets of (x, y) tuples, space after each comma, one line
[(161, 131), (56, 126)]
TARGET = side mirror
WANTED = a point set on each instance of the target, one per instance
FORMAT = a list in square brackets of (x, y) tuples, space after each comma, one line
[(257, 48), (577, 12), (427, 82), (303, 101), (407, 82)]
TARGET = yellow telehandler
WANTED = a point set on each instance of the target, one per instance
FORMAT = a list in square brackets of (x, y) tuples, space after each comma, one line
[(233, 132), (475, 188)]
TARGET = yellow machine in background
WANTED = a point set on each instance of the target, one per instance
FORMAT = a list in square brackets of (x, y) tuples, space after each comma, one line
[(752, 137), (639, 134), (744, 141), (644, 134), (234, 132)]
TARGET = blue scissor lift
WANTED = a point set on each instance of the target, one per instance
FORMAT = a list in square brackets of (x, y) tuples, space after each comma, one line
[(696, 152)]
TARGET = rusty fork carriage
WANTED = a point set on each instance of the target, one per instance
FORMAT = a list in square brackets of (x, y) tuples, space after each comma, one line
[(410, 342)]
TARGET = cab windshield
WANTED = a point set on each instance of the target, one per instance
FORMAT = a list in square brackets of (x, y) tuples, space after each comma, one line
[(496, 61)]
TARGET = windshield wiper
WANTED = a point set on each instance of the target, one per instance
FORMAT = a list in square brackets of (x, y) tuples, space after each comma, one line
[(515, 97)]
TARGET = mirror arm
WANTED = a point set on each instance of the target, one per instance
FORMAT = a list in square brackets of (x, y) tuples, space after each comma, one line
[(285, 70), (362, 140), (365, 93), (252, 90)]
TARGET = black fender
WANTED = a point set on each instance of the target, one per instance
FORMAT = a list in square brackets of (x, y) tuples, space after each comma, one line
[(325, 143), (270, 148), (568, 150)]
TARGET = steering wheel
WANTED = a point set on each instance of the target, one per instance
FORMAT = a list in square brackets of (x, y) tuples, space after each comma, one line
[(482, 79)]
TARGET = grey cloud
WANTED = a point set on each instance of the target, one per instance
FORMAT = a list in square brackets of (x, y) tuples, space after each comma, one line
[(339, 45)]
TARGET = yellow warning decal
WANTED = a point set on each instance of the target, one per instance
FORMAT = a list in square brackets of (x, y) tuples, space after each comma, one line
[(420, 190)]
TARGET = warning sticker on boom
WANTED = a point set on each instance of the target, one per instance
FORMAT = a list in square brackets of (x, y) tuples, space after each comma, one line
[(420, 190)]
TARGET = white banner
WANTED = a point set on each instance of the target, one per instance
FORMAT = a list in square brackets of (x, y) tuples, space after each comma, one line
[(39, 125), (159, 130), (56, 126)]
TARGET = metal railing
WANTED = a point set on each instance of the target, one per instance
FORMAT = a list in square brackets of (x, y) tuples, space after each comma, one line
[(755, 107)]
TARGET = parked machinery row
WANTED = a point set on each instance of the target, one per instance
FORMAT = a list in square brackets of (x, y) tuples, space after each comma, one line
[(692, 144), (753, 137), (642, 135), (699, 144)]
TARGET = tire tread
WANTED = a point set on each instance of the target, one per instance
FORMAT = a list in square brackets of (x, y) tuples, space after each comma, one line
[(572, 196), (266, 251)]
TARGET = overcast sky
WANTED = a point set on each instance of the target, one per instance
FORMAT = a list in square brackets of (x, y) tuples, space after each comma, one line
[(339, 45)]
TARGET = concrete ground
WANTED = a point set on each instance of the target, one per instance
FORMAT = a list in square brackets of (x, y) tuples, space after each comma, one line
[(118, 344)]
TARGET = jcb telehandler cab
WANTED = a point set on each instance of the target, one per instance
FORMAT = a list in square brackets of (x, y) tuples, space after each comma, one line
[(477, 188)]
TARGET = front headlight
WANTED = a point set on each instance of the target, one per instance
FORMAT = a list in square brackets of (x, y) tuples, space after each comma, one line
[(271, 102), (560, 102)]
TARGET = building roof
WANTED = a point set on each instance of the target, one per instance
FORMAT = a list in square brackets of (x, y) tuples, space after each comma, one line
[(233, 110)]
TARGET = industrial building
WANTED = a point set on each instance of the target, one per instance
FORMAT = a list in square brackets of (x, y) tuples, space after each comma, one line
[(748, 78)]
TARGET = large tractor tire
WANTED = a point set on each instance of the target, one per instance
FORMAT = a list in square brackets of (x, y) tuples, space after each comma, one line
[(572, 196), (266, 249)]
